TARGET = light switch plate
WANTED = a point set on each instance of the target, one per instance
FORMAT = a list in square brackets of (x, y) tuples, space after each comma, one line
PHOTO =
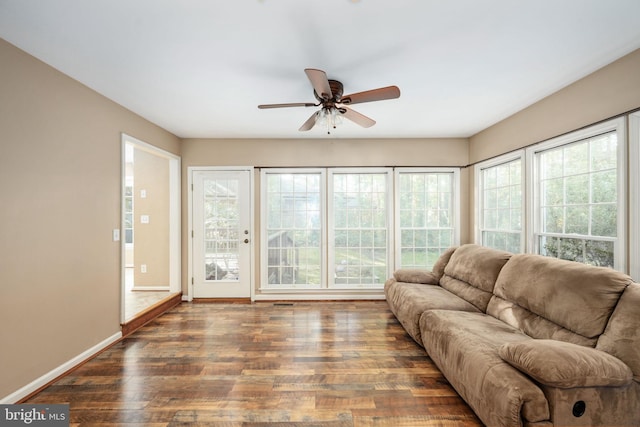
[(116, 235), (144, 219)]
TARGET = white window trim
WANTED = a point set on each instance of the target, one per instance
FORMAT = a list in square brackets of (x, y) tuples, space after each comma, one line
[(389, 226), (479, 196), (264, 238), (634, 196), (455, 199), (533, 214)]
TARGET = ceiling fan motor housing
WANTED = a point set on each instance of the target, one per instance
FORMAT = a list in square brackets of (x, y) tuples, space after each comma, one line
[(336, 90)]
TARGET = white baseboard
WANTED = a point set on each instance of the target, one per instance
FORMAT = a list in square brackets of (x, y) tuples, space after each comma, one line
[(150, 288), (318, 296), (55, 373)]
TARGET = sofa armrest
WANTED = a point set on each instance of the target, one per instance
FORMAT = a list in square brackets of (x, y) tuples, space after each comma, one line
[(566, 365), (415, 276)]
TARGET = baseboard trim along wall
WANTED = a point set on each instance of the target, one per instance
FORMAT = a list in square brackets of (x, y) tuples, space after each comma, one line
[(150, 288), (59, 371)]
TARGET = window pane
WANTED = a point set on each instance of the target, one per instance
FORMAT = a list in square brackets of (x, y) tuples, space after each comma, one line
[(577, 220), (604, 187), (577, 189), (428, 198), (576, 158), (579, 200), (603, 220), (552, 192), (593, 252), (501, 208), (551, 164), (293, 230), (360, 243), (553, 220), (603, 152)]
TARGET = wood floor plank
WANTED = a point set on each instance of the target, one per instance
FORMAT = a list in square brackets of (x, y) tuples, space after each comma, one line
[(325, 364)]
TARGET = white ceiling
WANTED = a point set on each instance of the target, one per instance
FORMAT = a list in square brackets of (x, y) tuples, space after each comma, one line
[(199, 68)]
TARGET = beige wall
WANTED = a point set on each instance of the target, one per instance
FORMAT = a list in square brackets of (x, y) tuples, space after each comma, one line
[(151, 240), (606, 93), (321, 153), (610, 91), (60, 178)]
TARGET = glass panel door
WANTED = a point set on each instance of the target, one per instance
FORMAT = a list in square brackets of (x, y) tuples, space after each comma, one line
[(221, 234)]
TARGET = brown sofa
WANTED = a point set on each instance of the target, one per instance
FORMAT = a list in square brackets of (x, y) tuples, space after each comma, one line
[(526, 339)]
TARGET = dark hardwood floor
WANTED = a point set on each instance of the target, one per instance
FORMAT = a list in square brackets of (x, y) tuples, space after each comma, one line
[(263, 364)]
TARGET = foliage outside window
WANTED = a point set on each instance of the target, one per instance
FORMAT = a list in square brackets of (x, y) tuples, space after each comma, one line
[(578, 200)]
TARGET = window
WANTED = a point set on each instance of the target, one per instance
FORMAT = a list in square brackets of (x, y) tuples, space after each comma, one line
[(427, 215), (500, 200), (294, 226), (360, 228), (578, 196), (334, 229)]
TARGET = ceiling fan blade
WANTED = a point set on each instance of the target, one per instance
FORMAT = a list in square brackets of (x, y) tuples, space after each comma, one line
[(320, 82), (356, 117), (389, 92), (295, 104), (311, 121)]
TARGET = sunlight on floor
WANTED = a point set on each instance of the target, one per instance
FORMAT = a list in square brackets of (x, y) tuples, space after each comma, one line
[(138, 301)]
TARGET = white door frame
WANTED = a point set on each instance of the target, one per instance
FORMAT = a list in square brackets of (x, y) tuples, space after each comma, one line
[(175, 221), (190, 255)]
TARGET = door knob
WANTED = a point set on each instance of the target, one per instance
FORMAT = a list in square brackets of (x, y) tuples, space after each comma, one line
[(246, 240)]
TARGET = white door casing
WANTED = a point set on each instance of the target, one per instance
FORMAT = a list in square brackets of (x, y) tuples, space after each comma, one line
[(221, 233)]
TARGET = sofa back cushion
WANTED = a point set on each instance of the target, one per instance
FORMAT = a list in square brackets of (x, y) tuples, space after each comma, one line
[(471, 273), (551, 298), (442, 261)]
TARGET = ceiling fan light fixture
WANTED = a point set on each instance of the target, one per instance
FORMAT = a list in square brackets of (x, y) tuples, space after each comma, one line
[(330, 117)]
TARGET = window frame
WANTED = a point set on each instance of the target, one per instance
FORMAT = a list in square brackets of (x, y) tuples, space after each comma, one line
[(479, 194), (634, 195), (533, 185), (327, 288), (455, 205), (264, 229), (330, 233)]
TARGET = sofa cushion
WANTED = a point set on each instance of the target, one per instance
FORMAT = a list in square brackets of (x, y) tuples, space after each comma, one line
[(408, 275), (532, 324), (428, 277), (575, 296), (471, 273), (409, 300), (565, 365), (621, 338), (464, 346)]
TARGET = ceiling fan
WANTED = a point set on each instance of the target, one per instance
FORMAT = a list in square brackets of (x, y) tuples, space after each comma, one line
[(329, 94)]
